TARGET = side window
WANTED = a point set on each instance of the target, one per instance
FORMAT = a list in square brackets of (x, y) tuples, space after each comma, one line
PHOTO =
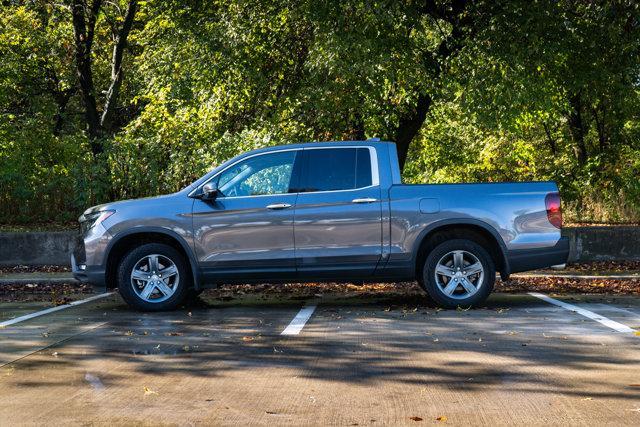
[(331, 169), (260, 175), (363, 168)]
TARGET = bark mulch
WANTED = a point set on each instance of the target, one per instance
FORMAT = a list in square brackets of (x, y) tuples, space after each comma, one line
[(34, 269), (59, 293)]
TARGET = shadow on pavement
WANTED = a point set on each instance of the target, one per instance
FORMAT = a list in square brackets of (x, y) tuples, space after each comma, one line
[(360, 338)]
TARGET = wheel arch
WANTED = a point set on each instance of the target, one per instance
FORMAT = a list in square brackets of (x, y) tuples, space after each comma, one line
[(478, 231), (124, 241)]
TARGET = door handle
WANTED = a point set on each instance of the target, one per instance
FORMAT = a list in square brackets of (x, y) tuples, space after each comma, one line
[(365, 200), (277, 206)]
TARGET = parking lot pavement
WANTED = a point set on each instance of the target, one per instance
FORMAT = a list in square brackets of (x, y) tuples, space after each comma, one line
[(367, 360)]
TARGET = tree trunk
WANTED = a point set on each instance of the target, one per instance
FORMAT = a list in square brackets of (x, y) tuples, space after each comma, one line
[(357, 129), (550, 139), (577, 128), (83, 29), (117, 72), (603, 140), (62, 99), (409, 126)]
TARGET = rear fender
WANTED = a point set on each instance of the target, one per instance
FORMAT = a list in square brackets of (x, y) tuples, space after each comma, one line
[(448, 223)]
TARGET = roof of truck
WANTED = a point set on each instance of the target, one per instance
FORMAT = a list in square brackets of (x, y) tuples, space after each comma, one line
[(369, 142)]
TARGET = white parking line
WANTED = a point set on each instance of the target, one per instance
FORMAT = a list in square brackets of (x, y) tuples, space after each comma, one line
[(51, 310), (299, 321), (586, 313)]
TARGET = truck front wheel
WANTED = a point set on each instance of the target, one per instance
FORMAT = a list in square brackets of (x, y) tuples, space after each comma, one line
[(153, 277), (458, 273)]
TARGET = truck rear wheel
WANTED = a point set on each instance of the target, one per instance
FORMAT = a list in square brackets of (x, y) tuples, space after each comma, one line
[(458, 272), (153, 277)]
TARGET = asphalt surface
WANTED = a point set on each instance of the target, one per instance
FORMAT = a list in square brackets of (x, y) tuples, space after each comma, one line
[(355, 361)]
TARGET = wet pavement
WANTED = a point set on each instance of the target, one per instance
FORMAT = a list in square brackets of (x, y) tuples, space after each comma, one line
[(365, 360)]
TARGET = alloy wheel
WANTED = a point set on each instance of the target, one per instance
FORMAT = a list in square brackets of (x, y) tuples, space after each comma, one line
[(155, 278), (459, 274)]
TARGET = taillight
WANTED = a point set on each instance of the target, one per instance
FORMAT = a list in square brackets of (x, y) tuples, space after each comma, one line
[(554, 210)]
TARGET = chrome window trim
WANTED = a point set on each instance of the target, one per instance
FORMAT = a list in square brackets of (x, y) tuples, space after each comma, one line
[(373, 156), (242, 160)]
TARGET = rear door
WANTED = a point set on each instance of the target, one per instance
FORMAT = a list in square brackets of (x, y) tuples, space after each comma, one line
[(338, 219)]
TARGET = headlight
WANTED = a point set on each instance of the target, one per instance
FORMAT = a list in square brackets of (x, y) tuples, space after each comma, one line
[(89, 221)]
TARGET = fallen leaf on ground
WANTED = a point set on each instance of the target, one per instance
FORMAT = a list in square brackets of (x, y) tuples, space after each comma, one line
[(148, 391), (441, 418), (415, 418)]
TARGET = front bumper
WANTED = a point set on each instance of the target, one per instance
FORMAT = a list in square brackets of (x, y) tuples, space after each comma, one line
[(93, 275), (533, 259)]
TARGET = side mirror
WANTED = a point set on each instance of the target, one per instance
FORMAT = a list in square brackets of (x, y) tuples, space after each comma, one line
[(209, 191)]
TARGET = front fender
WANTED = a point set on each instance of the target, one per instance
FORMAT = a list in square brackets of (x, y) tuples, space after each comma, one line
[(158, 230)]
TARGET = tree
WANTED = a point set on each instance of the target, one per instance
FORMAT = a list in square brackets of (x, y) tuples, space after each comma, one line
[(85, 17), (481, 91)]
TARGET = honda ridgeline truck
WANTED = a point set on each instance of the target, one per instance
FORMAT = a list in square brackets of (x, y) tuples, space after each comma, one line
[(334, 211)]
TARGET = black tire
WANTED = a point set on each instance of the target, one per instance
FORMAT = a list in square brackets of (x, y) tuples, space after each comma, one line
[(192, 294), (130, 260), (484, 286)]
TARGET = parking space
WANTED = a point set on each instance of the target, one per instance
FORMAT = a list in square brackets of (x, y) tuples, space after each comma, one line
[(362, 359)]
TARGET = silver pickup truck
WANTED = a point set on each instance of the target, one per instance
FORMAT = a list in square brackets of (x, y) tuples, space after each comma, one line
[(334, 211)]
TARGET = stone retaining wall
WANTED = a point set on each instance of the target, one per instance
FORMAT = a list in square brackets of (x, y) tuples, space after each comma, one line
[(37, 248), (587, 244)]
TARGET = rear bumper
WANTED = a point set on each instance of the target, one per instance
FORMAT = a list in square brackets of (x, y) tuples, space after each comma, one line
[(532, 259)]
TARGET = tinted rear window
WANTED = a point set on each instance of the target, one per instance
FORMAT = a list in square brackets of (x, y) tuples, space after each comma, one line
[(363, 168), (334, 169)]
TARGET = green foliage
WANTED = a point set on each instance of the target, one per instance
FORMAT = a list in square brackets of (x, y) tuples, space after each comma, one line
[(534, 90)]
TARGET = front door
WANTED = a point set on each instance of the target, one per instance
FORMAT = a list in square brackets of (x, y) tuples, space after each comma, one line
[(247, 231), (338, 216)]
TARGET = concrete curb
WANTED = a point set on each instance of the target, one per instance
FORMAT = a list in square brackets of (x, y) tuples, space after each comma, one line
[(577, 276), (38, 281)]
